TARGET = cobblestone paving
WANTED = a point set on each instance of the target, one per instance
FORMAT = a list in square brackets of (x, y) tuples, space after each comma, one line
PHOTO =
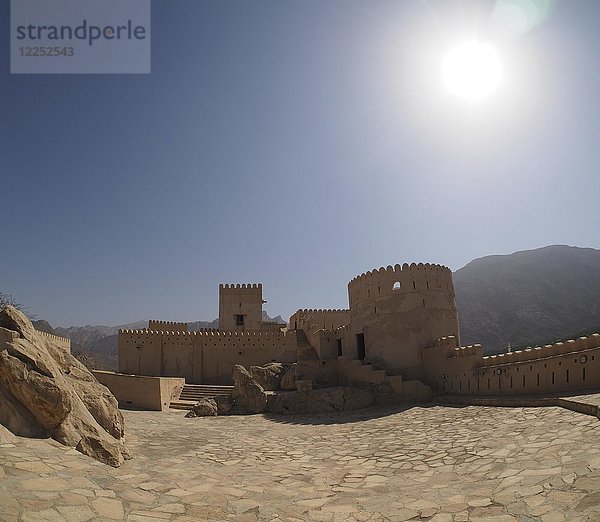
[(437, 463)]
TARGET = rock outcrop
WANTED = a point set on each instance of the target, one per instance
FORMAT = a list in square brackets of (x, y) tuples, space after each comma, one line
[(269, 375), (44, 391), (204, 408), (248, 395)]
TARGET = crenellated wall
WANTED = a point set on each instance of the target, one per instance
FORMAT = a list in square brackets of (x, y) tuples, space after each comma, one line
[(560, 367), (313, 320), (61, 342), (416, 277), (243, 300), (396, 312), (200, 357), (167, 326)]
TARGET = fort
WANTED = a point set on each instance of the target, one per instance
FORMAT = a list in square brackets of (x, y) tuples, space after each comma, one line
[(400, 334)]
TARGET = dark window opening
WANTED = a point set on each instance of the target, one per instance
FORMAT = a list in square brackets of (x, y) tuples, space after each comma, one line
[(360, 346), (567, 375), (427, 282), (414, 285), (583, 374), (339, 348), (538, 379), (239, 320), (552, 377), (523, 381)]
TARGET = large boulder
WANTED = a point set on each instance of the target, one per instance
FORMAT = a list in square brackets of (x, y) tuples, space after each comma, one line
[(44, 391), (225, 404), (269, 375), (248, 395), (204, 408), (288, 380), (319, 401)]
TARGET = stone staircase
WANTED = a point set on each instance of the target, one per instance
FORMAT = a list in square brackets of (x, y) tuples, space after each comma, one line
[(192, 393), (364, 372), (304, 350)]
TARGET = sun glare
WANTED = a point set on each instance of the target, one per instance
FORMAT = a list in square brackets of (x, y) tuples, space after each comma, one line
[(472, 71)]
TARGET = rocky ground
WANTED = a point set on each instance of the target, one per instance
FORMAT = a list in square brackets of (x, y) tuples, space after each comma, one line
[(437, 463)]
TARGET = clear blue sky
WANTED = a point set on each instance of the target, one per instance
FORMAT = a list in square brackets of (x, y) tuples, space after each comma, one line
[(293, 143)]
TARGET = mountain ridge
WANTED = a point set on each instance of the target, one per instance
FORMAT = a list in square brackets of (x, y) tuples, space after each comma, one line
[(528, 296)]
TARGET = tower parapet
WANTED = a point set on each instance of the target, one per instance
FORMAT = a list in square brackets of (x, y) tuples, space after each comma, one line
[(397, 311)]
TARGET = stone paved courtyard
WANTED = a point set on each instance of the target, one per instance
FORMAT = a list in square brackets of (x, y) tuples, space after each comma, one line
[(436, 463)]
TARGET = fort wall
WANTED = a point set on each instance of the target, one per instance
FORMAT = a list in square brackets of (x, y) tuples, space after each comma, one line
[(313, 320), (396, 312), (61, 342), (560, 367), (167, 326), (200, 357)]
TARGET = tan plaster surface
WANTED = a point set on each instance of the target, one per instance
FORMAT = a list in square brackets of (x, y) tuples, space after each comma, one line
[(438, 463)]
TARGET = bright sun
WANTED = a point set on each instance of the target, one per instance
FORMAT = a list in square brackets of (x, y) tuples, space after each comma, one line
[(472, 70)]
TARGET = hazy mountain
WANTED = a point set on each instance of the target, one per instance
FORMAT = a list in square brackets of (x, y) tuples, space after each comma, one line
[(529, 297), (43, 326)]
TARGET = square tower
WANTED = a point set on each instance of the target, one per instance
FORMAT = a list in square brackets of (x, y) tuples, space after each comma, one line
[(240, 307)]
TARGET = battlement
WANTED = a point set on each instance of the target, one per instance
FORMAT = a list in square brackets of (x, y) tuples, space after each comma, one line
[(167, 326), (321, 311), (449, 340), (62, 342), (400, 269), (471, 350), (243, 286), (548, 350), (400, 279), (208, 333)]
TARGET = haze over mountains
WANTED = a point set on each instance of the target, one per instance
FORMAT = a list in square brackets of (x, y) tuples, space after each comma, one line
[(530, 297), (526, 298)]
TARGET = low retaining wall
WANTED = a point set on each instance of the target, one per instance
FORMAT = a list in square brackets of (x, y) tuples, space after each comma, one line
[(586, 404), (141, 392)]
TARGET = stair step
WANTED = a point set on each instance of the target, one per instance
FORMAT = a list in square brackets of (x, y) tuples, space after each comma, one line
[(182, 405), (192, 393)]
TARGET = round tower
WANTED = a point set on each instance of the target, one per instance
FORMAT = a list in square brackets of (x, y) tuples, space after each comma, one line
[(397, 311)]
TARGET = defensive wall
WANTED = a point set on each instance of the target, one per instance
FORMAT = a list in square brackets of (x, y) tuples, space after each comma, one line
[(313, 320), (401, 330), (200, 357), (568, 366), (167, 326), (61, 342), (397, 311)]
